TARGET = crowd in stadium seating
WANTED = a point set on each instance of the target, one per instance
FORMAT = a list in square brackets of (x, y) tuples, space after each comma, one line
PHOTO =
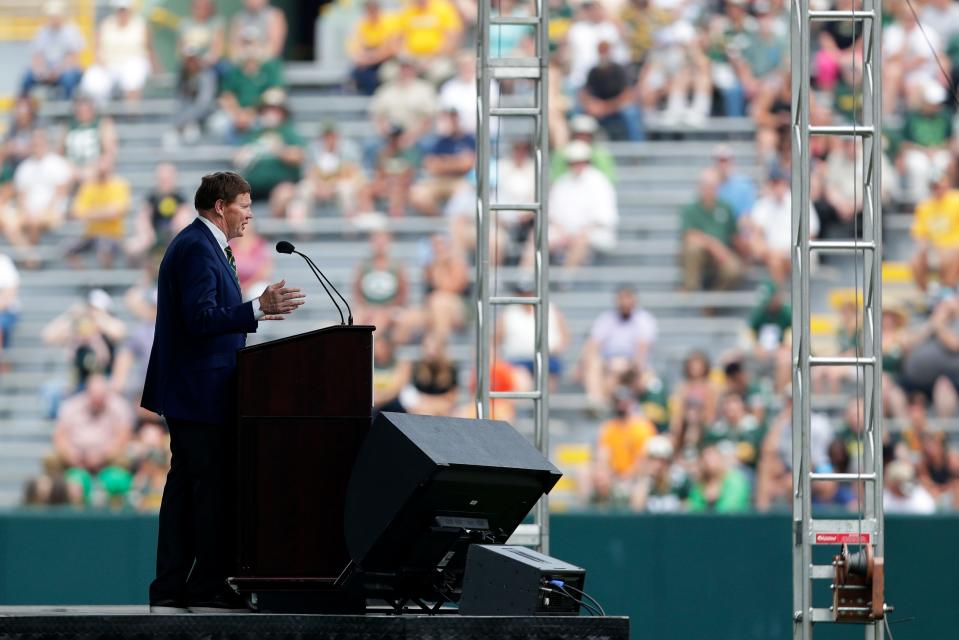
[(714, 437)]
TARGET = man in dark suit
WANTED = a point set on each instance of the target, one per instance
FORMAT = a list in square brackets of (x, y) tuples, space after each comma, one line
[(201, 322)]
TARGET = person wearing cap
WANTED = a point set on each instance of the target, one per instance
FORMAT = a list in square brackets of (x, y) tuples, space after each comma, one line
[(373, 42), (902, 494), (662, 486), (124, 55), (769, 226), (445, 165), (263, 25), (405, 101), (583, 212), (272, 154), (242, 89), (102, 202), (711, 244), (927, 137), (90, 332), (583, 127), (608, 96), (735, 188), (55, 53), (935, 231)]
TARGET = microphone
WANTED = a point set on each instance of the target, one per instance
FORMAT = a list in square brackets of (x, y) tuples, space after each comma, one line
[(286, 247)]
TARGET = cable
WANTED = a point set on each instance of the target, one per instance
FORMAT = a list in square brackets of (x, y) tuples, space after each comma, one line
[(858, 347), (885, 621), (560, 590), (560, 584), (591, 599)]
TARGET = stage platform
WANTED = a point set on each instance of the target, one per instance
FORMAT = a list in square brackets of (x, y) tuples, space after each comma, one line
[(103, 623)]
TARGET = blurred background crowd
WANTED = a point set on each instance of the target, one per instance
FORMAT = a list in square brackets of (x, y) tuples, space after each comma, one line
[(669, 219)]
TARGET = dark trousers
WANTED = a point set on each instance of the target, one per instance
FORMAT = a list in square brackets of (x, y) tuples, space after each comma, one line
[(196, 541)]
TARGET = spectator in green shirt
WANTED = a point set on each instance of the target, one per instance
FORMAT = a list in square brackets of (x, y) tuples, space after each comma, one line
[(927, 135), (242, 88), (720, 488), (710, 240), (583, 127), (272, 154)]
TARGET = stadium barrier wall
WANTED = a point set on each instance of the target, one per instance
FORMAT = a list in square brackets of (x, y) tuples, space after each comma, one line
[(682, 576)]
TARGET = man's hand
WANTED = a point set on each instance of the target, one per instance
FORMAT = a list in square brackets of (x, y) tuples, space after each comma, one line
[(278, 301)]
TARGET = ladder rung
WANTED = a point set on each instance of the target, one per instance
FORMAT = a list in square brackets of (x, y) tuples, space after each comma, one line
[(514, 111), (841, 477), (835, 16), (841, 130), (515, 20), (509, 206), (839, 361), (515, 67), (534, 300), (822, 614), (842, 245), (516, 395), (822, 572)]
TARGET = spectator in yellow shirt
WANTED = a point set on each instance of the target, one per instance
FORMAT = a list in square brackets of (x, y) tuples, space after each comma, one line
[(935, 229), (374, 42), (620, 449), (430, 31), (103, 203)]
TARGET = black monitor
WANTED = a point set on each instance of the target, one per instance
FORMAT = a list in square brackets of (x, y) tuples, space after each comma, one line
[(423, 489)]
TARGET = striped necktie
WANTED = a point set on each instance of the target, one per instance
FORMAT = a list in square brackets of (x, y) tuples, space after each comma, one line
[(232, 261)]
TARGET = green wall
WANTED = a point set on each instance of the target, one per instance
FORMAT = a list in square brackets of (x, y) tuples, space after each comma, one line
[(684, 577)]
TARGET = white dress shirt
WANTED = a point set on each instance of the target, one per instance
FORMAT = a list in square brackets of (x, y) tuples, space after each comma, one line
[(220, 238)]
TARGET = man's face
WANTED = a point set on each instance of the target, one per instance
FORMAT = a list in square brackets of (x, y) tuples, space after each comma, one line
[(625, 302), (236, 215)]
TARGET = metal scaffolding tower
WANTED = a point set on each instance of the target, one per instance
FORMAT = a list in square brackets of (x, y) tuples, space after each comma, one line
[(866, 530), (491, 67)]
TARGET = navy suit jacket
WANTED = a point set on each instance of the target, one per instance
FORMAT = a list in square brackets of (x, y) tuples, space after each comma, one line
[(201, 322)]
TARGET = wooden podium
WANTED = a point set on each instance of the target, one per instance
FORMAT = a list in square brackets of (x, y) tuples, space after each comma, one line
[(304, 406)]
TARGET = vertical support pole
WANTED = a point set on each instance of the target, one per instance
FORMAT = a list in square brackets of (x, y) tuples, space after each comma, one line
[(541, 264), (872, 278), (483, 319), (802, 551)]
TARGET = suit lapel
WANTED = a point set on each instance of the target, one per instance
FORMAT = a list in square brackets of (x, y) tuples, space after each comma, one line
[(224, 264)]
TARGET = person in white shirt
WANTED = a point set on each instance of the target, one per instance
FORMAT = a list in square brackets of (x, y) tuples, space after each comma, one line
[(516, 333), (903, 494), (124, 55), (909, 58), (620, 339), (771, 225), (9, 304), (583, 213), (459, 92), (40, 185)]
